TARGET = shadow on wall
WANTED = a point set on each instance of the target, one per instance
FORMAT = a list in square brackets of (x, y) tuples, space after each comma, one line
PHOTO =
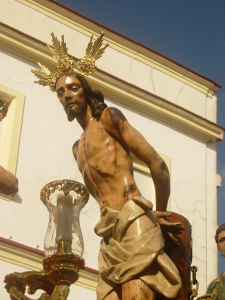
[(16, 199)]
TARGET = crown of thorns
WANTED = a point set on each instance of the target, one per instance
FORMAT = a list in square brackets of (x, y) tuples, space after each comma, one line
[(65, 64)]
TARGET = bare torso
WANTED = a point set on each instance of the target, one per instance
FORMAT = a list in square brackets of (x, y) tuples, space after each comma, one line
[(106, 167), (103, 158), (103, 151)]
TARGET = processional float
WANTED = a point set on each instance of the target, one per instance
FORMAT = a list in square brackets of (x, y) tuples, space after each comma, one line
[(63, 244)]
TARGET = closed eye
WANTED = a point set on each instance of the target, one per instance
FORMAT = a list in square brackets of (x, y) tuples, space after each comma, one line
[(222, 239), (74, 88), (60, 93)]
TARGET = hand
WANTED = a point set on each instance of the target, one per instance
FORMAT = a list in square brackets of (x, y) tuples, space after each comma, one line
[(169, 228)]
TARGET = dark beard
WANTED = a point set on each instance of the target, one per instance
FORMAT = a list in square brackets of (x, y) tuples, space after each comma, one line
[(75, 112)]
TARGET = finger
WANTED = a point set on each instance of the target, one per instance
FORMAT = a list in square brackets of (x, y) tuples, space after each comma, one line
[(178, 225), (161, 214), (173, 229), (167, 223), (173, 239), (163, 222), (176, 230)]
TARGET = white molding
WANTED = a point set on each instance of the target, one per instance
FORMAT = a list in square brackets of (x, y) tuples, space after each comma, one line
[(118, 90), (20, 256)]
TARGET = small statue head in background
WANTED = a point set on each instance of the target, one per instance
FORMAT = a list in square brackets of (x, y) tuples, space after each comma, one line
[(220, 239)]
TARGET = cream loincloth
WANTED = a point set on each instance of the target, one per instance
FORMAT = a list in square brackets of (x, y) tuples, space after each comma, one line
[(133, 245)]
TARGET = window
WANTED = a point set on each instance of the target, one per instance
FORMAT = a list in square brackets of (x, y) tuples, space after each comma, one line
[(10, 129)]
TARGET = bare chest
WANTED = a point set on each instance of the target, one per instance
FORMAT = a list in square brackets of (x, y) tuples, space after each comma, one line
[(99, 151)]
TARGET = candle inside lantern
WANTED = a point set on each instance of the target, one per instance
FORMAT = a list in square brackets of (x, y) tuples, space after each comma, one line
[(64, 213)]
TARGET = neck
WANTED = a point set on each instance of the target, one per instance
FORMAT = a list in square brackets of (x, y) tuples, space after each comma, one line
[(85, 117)]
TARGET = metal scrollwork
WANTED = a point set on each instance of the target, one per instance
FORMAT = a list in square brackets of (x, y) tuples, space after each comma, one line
[(65, 186), (60, 271), (194, 291), (16, 284)]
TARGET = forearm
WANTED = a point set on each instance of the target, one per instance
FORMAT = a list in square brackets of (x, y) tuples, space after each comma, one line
[(8, 182), (158, 168), (161, 179)]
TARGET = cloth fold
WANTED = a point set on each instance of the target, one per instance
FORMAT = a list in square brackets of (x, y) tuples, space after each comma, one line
[(132, 246)]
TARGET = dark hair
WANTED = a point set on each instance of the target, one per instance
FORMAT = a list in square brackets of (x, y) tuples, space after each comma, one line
[(219, 229), (94, 98)]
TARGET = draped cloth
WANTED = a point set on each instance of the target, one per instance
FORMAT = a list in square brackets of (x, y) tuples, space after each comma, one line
[(132, 247)]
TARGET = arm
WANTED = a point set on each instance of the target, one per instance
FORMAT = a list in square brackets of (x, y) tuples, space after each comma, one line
[(75, 147), (116, 124), (8, 182)]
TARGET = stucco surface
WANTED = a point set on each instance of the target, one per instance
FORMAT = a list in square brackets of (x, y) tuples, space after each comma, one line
[(113, 61)]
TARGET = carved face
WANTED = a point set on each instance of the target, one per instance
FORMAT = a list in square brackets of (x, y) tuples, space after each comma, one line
[(71, 94), (221, 243)]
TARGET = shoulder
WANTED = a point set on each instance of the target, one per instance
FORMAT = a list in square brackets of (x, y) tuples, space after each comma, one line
[(112, 115), (211, 286), (74, 148)]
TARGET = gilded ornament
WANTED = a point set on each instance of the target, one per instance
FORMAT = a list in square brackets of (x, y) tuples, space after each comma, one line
[(65, 64), (65, 186), (60, 271), (86, 65)]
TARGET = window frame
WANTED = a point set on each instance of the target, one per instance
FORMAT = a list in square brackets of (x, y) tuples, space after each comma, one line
[(11, 130)]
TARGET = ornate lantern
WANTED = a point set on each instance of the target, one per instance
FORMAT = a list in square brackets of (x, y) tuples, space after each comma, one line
[(63, 245)]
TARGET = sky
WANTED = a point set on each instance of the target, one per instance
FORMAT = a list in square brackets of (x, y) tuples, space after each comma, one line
[(189, 32)]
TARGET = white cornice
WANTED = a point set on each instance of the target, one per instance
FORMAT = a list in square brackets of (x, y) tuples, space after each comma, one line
[(124, 45), (24, 46), (116, 89), (16, 254), (156, 107)]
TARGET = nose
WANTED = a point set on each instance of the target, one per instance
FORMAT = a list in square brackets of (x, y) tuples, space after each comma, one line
[(68, 95), (68, 98)]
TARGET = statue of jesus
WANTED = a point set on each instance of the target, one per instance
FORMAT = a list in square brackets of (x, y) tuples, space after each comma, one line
[(132, 263)]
